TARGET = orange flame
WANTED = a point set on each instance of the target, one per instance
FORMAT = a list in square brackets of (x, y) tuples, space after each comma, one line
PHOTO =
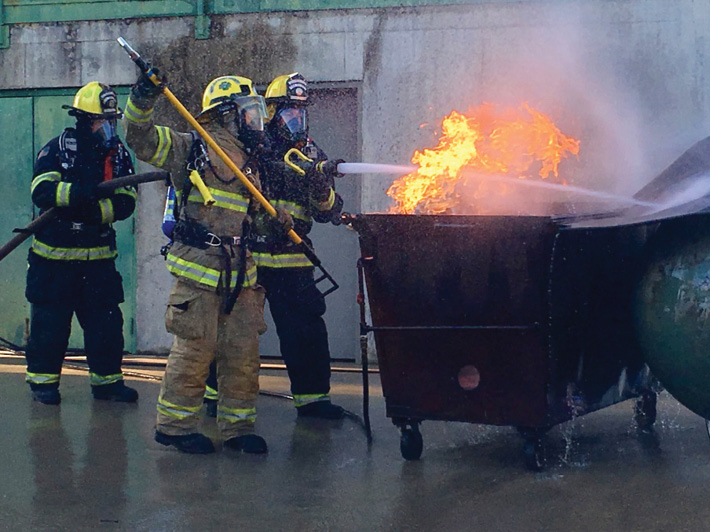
[(511, 142)]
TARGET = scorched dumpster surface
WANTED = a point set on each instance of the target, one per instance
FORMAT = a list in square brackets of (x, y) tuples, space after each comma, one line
[(502, 320)]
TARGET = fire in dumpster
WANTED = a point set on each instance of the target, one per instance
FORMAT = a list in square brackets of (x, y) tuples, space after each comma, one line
[(520, 143)]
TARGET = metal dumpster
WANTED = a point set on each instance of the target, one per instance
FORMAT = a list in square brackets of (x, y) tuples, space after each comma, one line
[(504, 320)]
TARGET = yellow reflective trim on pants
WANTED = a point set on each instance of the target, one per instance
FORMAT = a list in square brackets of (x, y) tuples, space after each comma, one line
[(284, 260), (165, 142), (192, 270), (180, 412), (327, 204), (136, 115), (223, 199), (62, 194), (100, 380), (42, 378), (107, 214), (211, 394), (204, 275), (54, 253), (303, 400), (235, 415), (41, 178)]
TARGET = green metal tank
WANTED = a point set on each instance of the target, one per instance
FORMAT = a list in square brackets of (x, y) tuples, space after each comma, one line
[(672, 309)]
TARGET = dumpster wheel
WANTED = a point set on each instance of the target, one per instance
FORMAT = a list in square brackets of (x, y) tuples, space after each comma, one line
[(645, 411), (411, 443), (534, 454), (533, 447)]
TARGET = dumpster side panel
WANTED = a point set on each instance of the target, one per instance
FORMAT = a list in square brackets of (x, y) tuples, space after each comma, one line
[(460, 271)]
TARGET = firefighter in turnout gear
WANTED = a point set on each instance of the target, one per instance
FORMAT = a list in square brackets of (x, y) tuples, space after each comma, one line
[(304, 188), (72, 260), (215, 309)]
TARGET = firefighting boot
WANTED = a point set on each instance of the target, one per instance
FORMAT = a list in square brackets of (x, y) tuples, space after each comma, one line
[(46, 395), (321, 409), (248, 443), (210, 407), (116, 391), (194, 443)]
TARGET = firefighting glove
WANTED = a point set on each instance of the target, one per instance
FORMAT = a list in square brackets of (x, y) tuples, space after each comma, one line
[(285, 220), (330, 168), (319, 184), (144, 91), (307, 167)]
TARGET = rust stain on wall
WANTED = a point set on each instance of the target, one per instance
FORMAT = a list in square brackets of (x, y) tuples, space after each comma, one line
[(255, 50)]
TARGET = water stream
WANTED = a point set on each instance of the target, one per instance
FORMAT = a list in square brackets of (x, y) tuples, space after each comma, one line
[(565, 189)]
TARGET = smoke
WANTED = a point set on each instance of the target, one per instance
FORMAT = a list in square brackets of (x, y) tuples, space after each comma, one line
[(616, 80), (598, 80)]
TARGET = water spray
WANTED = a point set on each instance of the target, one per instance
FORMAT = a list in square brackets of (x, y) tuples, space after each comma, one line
[(374, 168), (567, 189)]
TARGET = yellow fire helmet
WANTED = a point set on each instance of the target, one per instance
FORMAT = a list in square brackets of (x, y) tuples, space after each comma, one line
[(224, 89), (95, 100), (290, 88)]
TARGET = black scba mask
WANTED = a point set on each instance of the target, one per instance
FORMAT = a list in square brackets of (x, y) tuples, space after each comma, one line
[(106, 133), (247, 121), (291, 124), (100, 130), (99, 133)]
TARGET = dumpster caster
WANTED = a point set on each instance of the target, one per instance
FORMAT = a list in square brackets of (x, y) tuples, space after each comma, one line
[(645, 411), (411, 443), (534, 454), (533, 448)]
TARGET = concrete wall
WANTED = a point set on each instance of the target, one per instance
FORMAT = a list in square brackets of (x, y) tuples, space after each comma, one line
[(629, 78)]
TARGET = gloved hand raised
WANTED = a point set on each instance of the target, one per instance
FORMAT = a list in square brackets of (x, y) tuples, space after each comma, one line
[(145, 90)]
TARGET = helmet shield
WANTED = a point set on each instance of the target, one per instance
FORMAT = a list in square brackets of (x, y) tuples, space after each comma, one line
[(251, 112)]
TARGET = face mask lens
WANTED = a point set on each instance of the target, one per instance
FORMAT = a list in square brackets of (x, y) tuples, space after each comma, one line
[(105, 132), (253, 119), (292, 123)]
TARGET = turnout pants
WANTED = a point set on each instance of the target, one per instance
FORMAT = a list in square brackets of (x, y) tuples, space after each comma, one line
[(59, 289), (203, 333), (297, 307)]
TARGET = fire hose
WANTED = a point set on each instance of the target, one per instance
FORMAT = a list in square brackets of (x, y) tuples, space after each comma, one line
[(50, 214), (295, 238)]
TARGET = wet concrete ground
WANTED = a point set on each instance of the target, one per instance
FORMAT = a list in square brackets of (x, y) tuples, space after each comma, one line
[(89, 465)]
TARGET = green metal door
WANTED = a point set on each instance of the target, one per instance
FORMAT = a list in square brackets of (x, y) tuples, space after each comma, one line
[(42, 119), (16, 157)]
